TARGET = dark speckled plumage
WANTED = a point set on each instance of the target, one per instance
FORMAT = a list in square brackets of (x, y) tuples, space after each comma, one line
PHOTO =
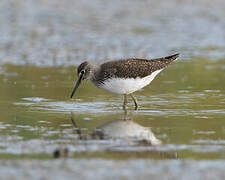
[(131, 68), (122, 76)]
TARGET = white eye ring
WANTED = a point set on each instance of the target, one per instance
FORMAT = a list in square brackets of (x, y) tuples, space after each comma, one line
[(82, 72)]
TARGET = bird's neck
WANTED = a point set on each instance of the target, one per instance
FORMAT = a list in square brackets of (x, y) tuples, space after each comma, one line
[(95, 69)]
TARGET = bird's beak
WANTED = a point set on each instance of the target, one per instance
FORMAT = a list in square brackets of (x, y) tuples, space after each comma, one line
[(77, 85)]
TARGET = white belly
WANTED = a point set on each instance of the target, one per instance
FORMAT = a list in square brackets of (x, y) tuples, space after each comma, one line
[(127, 86)]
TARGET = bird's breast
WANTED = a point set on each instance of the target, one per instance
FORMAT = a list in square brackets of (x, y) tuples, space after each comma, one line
[(126, 85)]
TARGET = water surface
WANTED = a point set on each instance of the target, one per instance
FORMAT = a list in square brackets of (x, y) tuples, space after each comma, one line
[(181, 115)]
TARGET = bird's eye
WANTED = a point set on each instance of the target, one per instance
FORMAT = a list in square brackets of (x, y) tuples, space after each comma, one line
[(82, 72)]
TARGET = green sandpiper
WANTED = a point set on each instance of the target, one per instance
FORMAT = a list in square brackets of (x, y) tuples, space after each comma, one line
[(122, 76)]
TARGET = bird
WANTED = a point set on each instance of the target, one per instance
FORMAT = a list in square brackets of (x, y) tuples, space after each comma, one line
[(122, 77)]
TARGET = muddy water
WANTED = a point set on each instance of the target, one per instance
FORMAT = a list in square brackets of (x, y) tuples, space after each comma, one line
[(181, 115)]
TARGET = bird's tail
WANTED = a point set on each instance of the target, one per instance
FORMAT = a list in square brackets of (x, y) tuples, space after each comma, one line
[(172, 57), (161, 63)]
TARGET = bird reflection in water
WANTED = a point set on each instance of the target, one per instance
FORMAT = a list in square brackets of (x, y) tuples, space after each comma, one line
[(128, 131)]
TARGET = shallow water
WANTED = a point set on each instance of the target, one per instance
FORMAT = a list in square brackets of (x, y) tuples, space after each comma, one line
[(54, 32), (181, 115), (99, 169)]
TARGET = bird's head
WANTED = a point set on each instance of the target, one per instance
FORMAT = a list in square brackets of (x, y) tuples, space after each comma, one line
[(84, 71)]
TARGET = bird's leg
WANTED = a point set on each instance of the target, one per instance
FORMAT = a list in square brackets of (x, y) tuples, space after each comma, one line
[(125, 102), (78, 131), (135, 101), (125, 114)]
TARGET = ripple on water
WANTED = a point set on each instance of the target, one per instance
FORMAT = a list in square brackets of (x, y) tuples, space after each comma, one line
[(209, 141), (35, 99), (66, 107), (37, 146), (170, 104)]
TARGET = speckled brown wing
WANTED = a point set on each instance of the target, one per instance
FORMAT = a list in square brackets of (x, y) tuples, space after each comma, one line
[(133, 68)]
